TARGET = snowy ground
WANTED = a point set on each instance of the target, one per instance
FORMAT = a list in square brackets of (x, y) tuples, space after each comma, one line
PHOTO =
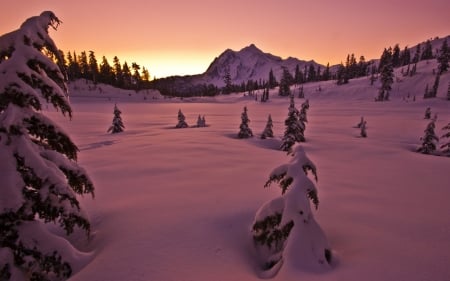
[(177, 204)]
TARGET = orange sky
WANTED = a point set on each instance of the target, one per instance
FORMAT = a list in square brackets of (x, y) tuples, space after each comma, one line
[(177, 37)]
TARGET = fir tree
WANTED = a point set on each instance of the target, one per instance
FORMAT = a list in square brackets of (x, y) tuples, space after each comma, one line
[(245, 131), (181, 120), (290, 218), (443, 58), (265, 95), (118, 72), (201, 122), (106, 74), (416, 57), (295, 129), (363, 129), (93, 67), (272, 80), (40, 176), (445, 148), (301, 92), (448, 91), (227, 80), (285, 83), (427, 113), (429, 140), (268, 132), (434, 90), (426, 94), (360, 122), (117, 124), (427, 51), (396, 56), (304, 108), (387, 79), (405, 56)]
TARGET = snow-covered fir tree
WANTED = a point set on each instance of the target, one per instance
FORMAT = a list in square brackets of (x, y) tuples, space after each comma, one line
[(304, 108), (117, 124), (429, 140), (201, 121), (40, 176), (244, 129), (445, 148), (284, 230), (181, 120), (387, 79), (363, 129), (268, 132), (427, 113), (360, 122), (295, 129)]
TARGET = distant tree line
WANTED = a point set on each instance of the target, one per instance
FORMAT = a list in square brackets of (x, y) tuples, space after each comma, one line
[(125, 76)]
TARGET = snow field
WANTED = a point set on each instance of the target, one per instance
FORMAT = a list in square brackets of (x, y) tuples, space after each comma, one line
[(177, 204)]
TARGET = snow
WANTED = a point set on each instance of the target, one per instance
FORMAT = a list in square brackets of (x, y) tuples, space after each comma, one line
[(178, 204)]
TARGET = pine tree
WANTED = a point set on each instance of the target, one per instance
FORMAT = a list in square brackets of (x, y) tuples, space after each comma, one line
[(285, 83), (285, 228), (40, 176), (427, 51), (301, 92), (295, 129), (443, 58), (268, 132), (106, 74), (181, 120), (244, 129), (118, 72), (429, 140), (93, 67), (426, 94), (416, 57), (304, 108), (363, 129), (387, 79), (117, 124), (126, 75), (396, 56), (136, 77), (445, 148), (272, 80), (201, 122), (427, 113), (84, 66), (405, 56), (434, 90), (448, 91), (360, 122), (227, 80)]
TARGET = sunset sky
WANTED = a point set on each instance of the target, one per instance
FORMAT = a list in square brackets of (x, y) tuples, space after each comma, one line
[(177, 37)]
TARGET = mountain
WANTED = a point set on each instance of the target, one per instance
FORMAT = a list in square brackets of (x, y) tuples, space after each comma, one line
[(250, 63)]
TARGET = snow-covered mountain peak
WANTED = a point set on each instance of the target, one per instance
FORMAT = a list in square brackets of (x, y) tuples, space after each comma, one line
[(249, 63)]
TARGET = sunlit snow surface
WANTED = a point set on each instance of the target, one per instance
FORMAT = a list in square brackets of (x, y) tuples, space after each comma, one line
[(177, 204)]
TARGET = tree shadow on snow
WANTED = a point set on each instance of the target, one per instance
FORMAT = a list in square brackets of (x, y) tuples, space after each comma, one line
[(236, 238)]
